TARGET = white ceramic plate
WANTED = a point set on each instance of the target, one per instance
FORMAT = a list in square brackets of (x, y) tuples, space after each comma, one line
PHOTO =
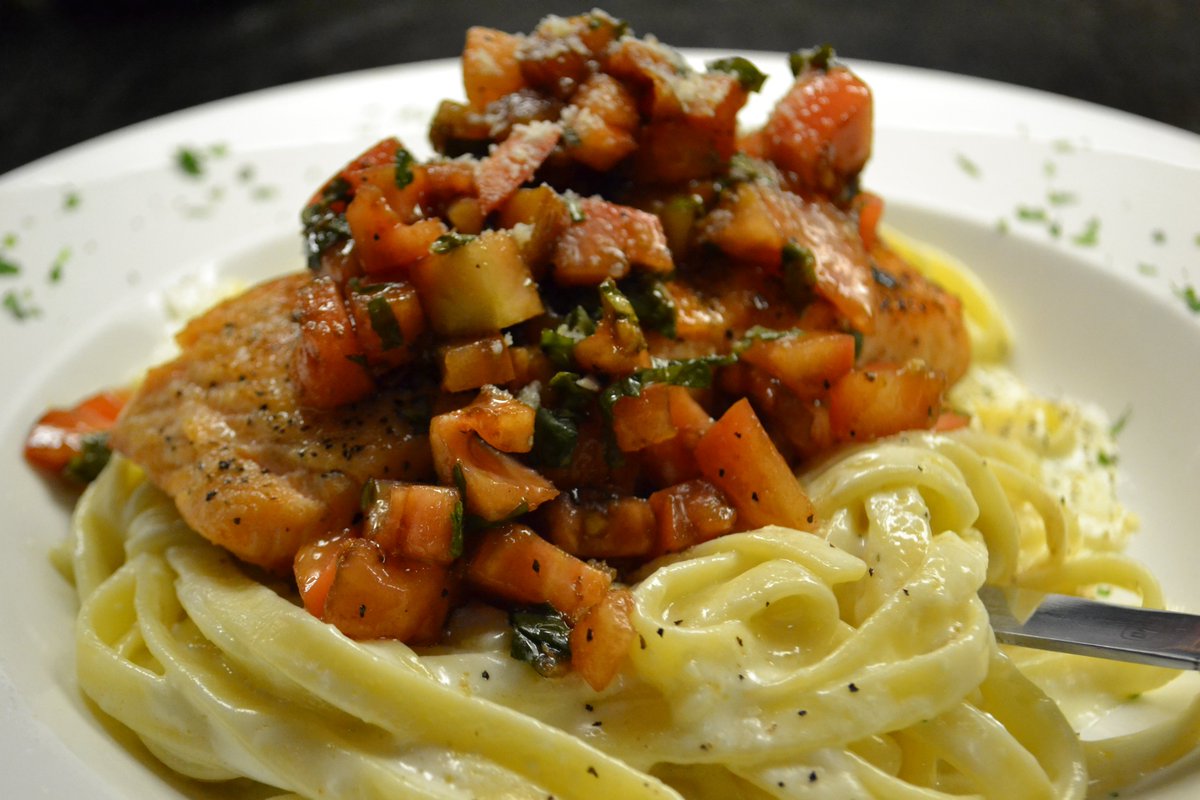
[(1098, 317)]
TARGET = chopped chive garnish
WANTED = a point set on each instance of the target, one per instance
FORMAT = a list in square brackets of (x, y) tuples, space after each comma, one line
[(20, 305), (189, 161), (1090, 235), (967, 165), (1190, 297)]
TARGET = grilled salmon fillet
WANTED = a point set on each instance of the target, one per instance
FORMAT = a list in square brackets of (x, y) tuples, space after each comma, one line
[(221, 430)]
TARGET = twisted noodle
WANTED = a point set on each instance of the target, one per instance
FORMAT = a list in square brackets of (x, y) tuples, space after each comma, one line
[(854, 663)]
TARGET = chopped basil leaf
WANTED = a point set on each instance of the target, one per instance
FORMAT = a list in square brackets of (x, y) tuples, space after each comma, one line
[(1106, 459), (456, 527), (324, 221), (760, 334), (967, 165), (692, 373), (799, 272), (460, 480), (8, 267), (745, 169), (404, 168), (541, 637), (369, 494), (614, 300), (575, 393), (450, 241), (749, 76), (554, 436), (85, 465), (384, 323), (653, 305), (858, 343), (1090, 235), (821, 58), (559, 343)]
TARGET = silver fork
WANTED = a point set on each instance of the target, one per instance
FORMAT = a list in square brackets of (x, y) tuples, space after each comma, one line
[(1068, 624)]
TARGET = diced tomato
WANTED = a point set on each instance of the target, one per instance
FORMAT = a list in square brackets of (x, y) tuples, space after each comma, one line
[(382, 153), (383, 241), (613, 527), (499, 419), (475, 363), (673, 461), (608, 351), (314, 568), (446, 180), (950, 421), (513, 162), (530, 363), (738, 456), (489, 65), (387, 321), (372, 596), (600, 641), (690, 513), (880, 400), (466, 215), (820, 131), (641, 421), (808, 364), (414, 521), (607, 241), (759, 221), (545, 212), (479, 287), (467, 445), (753, 143), (608, 99), (329, 364), (869, 208), (58, 436), (514, 563), (601, 119)]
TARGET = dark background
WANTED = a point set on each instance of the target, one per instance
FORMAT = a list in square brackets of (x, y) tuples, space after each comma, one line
[(73, 69)]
